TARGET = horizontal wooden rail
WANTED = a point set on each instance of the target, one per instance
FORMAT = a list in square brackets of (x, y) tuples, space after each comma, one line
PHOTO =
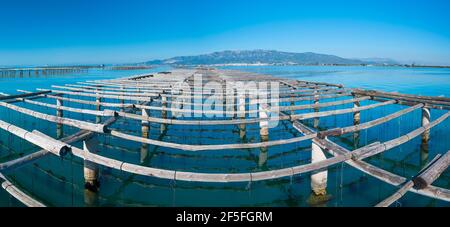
[(19, 194), (23, 95), (414, 98), (188, 147), (434, 167), (60, 120)]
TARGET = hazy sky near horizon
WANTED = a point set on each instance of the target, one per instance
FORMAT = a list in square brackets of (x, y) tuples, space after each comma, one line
[(113, 31)]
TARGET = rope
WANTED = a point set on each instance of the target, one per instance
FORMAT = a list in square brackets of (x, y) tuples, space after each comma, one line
[(249, 185)]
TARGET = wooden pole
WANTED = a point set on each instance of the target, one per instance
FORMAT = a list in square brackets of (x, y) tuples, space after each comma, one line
[(432, 173), (319, 179), (90, 168), (59, 113), (264, 134), (145, 126), (122, 100), (163, 113), (426, 116), (316, 109), (240, 108), (19, 194), (98, 107), (292, 105)]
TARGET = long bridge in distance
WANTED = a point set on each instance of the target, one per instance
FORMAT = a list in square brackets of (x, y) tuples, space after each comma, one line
[(40, 71), (49, 71), (137, 97)]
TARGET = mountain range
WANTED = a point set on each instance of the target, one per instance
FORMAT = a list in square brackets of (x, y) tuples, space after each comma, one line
[(268, 57)]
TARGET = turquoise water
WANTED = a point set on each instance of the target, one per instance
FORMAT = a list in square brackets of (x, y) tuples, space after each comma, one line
[(59, 182), (421, 81)]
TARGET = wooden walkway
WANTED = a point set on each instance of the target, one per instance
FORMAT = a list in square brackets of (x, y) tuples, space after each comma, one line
[(240, 102)]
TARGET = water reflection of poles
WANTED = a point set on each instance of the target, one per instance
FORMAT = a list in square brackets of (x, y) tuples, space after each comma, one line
[(90, 198), (425, 137)]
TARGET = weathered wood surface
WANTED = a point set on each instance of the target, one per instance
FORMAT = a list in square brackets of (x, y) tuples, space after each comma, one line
[(16, 163), (23, 95), (172, 94), (397, 195), (119, 97), (104, 113), (54, 147), (400, 95), (192, 94), (411, 98), (94, 103), (429, 175), (430, 172), (188, 147), (149, 97), (119, 105), (176, 110), (102, 128), (19, 194), (255, 120), (60, 120)]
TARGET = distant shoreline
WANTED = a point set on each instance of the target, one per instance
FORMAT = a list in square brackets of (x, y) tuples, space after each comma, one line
[(342, 65), (105, 66)]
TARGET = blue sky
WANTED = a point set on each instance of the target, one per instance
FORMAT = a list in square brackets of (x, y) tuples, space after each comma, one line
[(99, 31)]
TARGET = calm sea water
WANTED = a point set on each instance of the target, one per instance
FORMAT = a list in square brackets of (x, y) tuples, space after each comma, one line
[(421, 81), (59, 182)]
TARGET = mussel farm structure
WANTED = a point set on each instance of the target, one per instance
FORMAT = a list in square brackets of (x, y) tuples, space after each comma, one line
[(84, 112)]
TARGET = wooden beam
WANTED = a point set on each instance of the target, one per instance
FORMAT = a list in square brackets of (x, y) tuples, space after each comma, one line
[(429, 175), (24, 95)]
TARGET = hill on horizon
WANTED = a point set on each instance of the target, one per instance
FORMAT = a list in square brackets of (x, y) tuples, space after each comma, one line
[(271, 57)]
